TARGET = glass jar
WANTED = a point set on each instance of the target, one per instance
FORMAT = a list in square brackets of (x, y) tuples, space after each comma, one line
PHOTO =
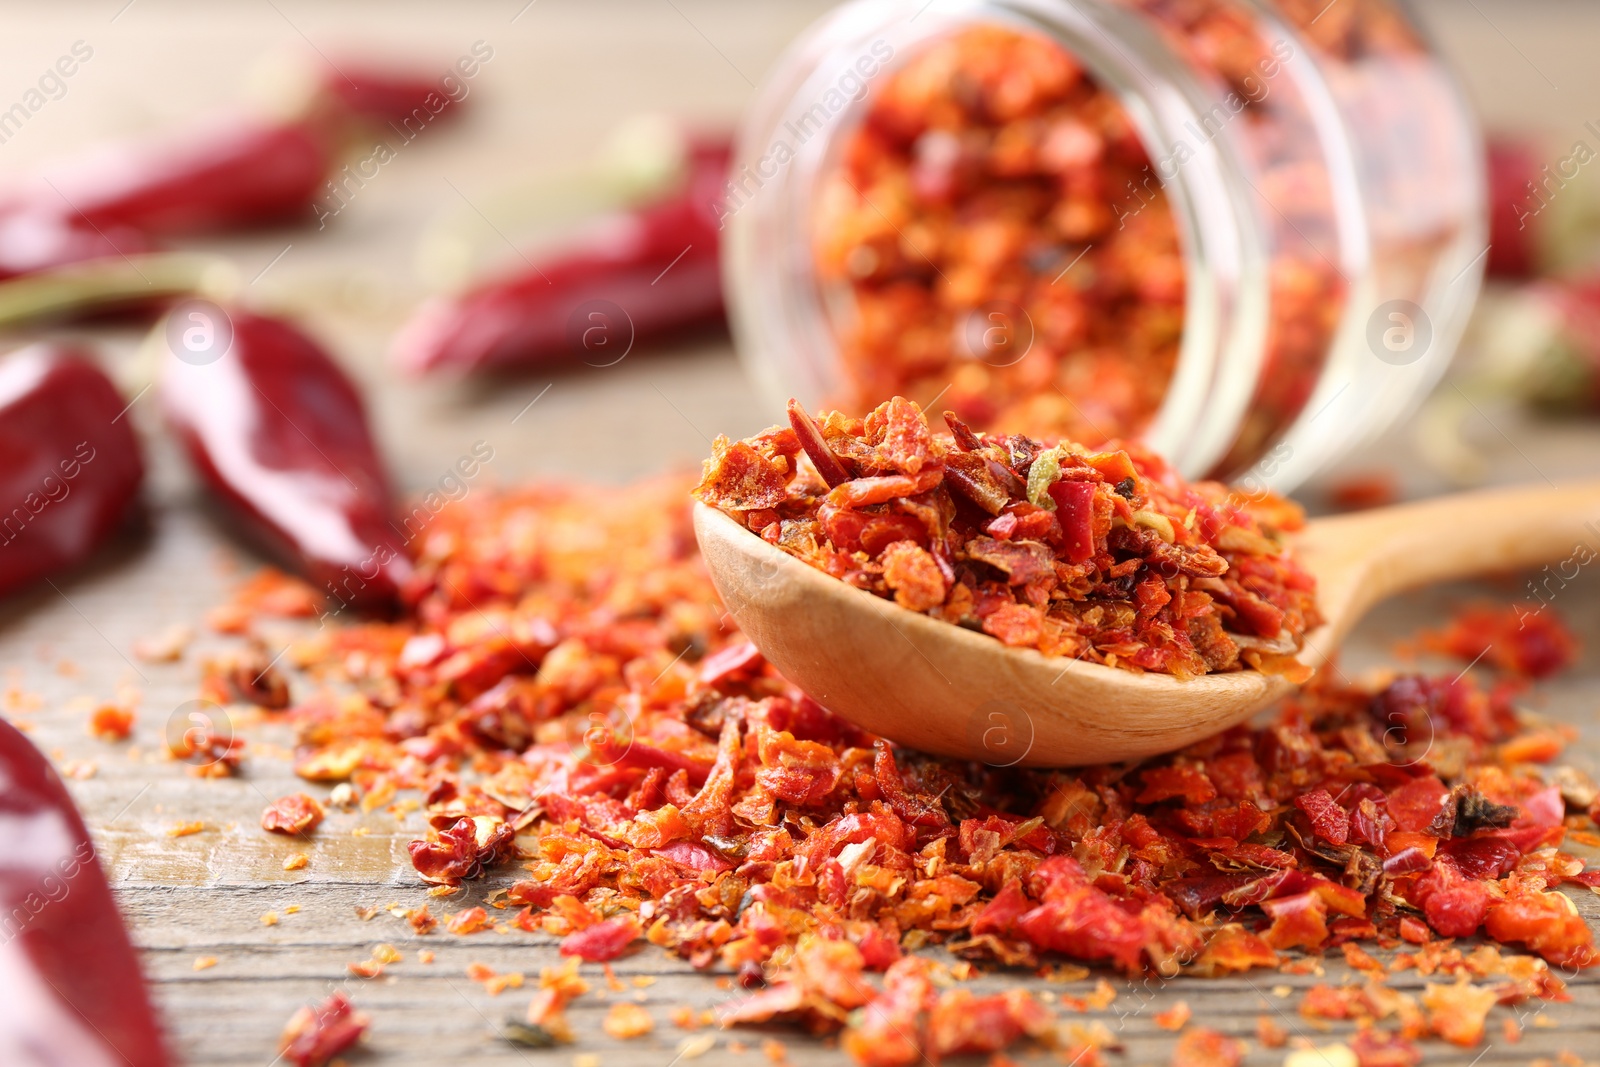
[(897, 217)]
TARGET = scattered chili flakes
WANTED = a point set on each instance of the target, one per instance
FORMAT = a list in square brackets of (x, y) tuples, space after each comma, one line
[(1104, 556), (185, 829), (561, 717), (297, 861), (269, 918), (1202, 1047), (493, 982), (268, 592), (1528, 640), (624, 1021), (547, 1023), (315, 1035), (297, 813), (686, 1018), (111, 722)]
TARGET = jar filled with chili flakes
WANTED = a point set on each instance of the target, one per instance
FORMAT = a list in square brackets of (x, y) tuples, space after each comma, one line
[(1247, 231)]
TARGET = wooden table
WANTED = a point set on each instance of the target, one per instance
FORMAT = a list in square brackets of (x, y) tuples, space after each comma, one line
[(562, 74)]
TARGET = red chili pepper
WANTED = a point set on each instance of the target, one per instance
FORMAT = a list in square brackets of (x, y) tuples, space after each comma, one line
[(1513, 169), (73, 991), (224, 175), (638, 275), (391, 95), (279, 434), (69, 464)]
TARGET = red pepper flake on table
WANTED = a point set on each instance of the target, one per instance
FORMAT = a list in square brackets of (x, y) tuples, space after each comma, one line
[(315, 1035), (1104, 556), (564, 688)]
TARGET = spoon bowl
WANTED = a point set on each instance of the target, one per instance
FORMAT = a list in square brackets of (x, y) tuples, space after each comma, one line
[(951, 691)]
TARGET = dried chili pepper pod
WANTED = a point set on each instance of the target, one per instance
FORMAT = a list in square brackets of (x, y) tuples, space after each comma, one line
[(228, 174), (73, 991), (69, 463), (394, 94), (279, 435), (635, 275)]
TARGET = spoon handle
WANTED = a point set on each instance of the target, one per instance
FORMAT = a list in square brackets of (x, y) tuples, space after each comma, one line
[(1371, 555)]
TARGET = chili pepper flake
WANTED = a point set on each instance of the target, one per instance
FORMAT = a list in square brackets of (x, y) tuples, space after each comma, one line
[(366, 969), (1175, 1017), (602, 941), (1105, 556), (185, 829), (204, 963), (315, 1035), (467, 921), (297, 861), (624, 1021), (111, 722), (295, 814), (1457, 1012)]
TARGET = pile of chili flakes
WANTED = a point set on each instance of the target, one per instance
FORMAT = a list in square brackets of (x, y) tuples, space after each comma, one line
[(1105, 556), (568, 696), (1001, 235)]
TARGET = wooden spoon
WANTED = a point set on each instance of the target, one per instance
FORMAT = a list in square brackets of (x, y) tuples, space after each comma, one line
[(944, 689)]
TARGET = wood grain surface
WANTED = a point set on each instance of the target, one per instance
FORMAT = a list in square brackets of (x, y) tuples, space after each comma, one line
[(563, 73)]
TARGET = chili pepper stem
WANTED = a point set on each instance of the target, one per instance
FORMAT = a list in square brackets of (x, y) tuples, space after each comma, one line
[(106, 283)]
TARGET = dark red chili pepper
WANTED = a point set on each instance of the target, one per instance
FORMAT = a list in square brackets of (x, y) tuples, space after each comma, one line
[(69, 464), (225, 175), (638, 275), (279, 435), (1513, 168), (822, 457), (73, 991)]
